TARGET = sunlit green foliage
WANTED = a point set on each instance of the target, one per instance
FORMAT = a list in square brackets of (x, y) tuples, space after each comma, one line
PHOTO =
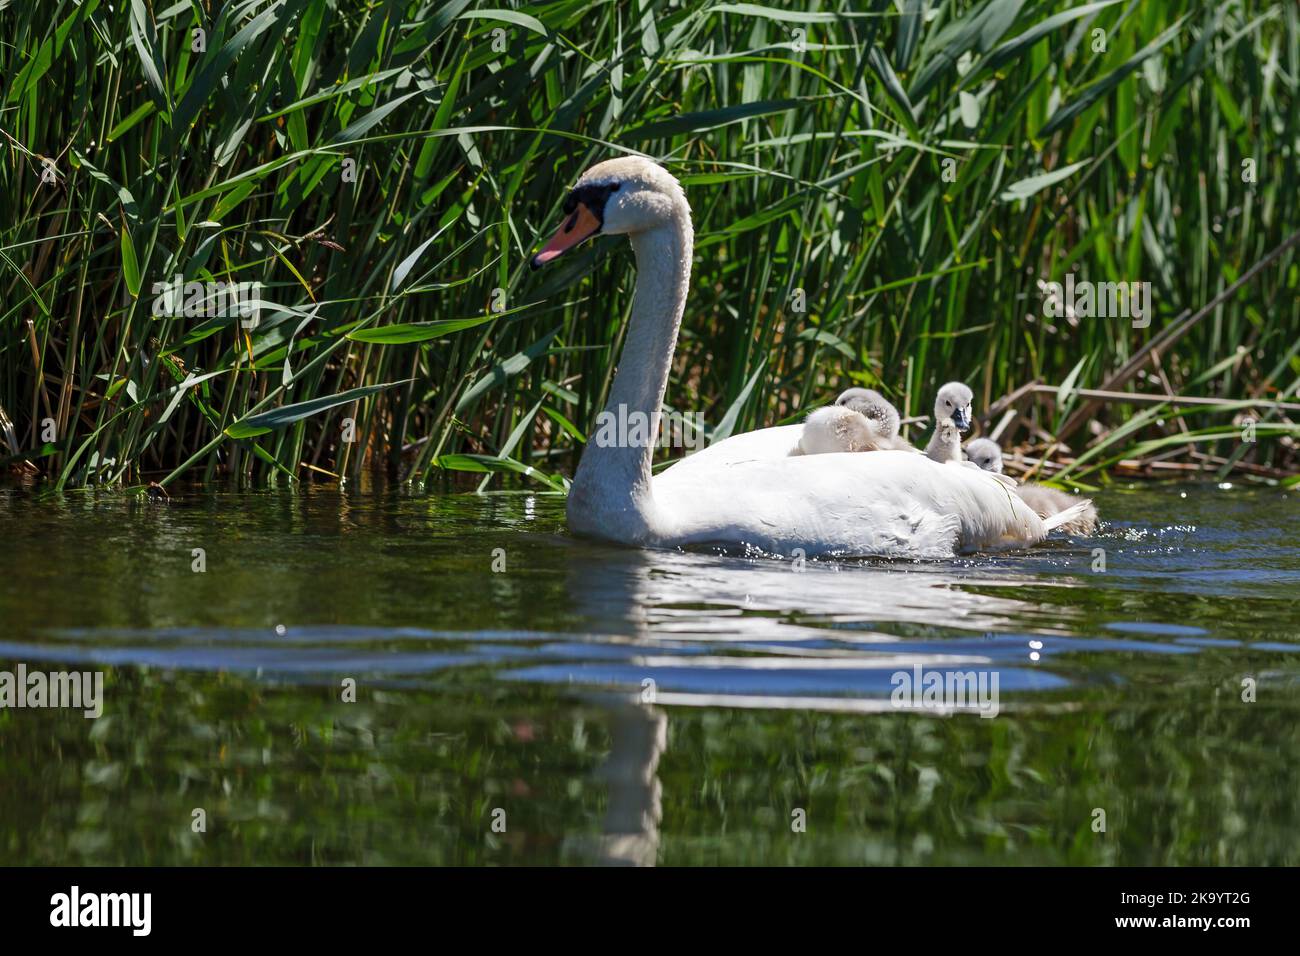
[(383, 170)]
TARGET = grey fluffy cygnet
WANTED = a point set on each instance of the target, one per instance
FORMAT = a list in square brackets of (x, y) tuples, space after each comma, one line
[(836, 428), (863, 420), (860, 420), (945, 443), (1045, 501), (954, 401), (878, 410), (952, 416), (985, 453)]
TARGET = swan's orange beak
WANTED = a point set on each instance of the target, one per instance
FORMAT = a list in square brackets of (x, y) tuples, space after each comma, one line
[(580, 225)]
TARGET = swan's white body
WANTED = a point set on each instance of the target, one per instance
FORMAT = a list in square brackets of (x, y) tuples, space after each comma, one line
[(748, 491), (759, 445), (887, 503)]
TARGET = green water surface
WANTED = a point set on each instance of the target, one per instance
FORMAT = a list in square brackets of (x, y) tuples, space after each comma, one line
[(526, 697)]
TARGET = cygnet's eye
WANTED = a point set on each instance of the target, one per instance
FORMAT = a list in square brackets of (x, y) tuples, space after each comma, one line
[(947, 404)]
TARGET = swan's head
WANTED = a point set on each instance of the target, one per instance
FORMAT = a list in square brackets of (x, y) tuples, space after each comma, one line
[(985, 453), (953, 401), (623, 196)]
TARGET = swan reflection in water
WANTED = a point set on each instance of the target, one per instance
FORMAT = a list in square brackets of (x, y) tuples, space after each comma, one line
[(681, 629)]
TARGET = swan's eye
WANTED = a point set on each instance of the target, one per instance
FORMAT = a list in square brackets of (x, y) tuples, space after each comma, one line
[(947, 404)]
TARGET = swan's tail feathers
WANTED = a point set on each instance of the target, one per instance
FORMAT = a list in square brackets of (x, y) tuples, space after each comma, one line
[(1080, 519)]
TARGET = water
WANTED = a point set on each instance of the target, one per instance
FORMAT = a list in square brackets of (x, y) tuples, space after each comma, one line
[(515, 697)]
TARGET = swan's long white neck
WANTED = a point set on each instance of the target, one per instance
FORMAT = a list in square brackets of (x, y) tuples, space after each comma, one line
[(611, 494)]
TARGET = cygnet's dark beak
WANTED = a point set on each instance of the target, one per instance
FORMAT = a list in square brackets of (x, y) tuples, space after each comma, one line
[(961, 418)]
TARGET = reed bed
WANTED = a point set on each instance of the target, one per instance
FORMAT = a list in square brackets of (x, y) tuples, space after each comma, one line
[(880, 190)]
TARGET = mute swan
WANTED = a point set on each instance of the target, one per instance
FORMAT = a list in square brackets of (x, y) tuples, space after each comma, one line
[(869, 423), (954, 400), (945, 443), (836, 428), (1045, 501), (985, 453), (887, 503), (878, 410)]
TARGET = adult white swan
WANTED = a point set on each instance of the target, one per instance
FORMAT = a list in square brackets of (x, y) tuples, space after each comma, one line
[(746, 491)]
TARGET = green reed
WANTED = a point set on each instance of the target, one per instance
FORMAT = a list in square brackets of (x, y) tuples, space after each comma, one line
[(877, 195)]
